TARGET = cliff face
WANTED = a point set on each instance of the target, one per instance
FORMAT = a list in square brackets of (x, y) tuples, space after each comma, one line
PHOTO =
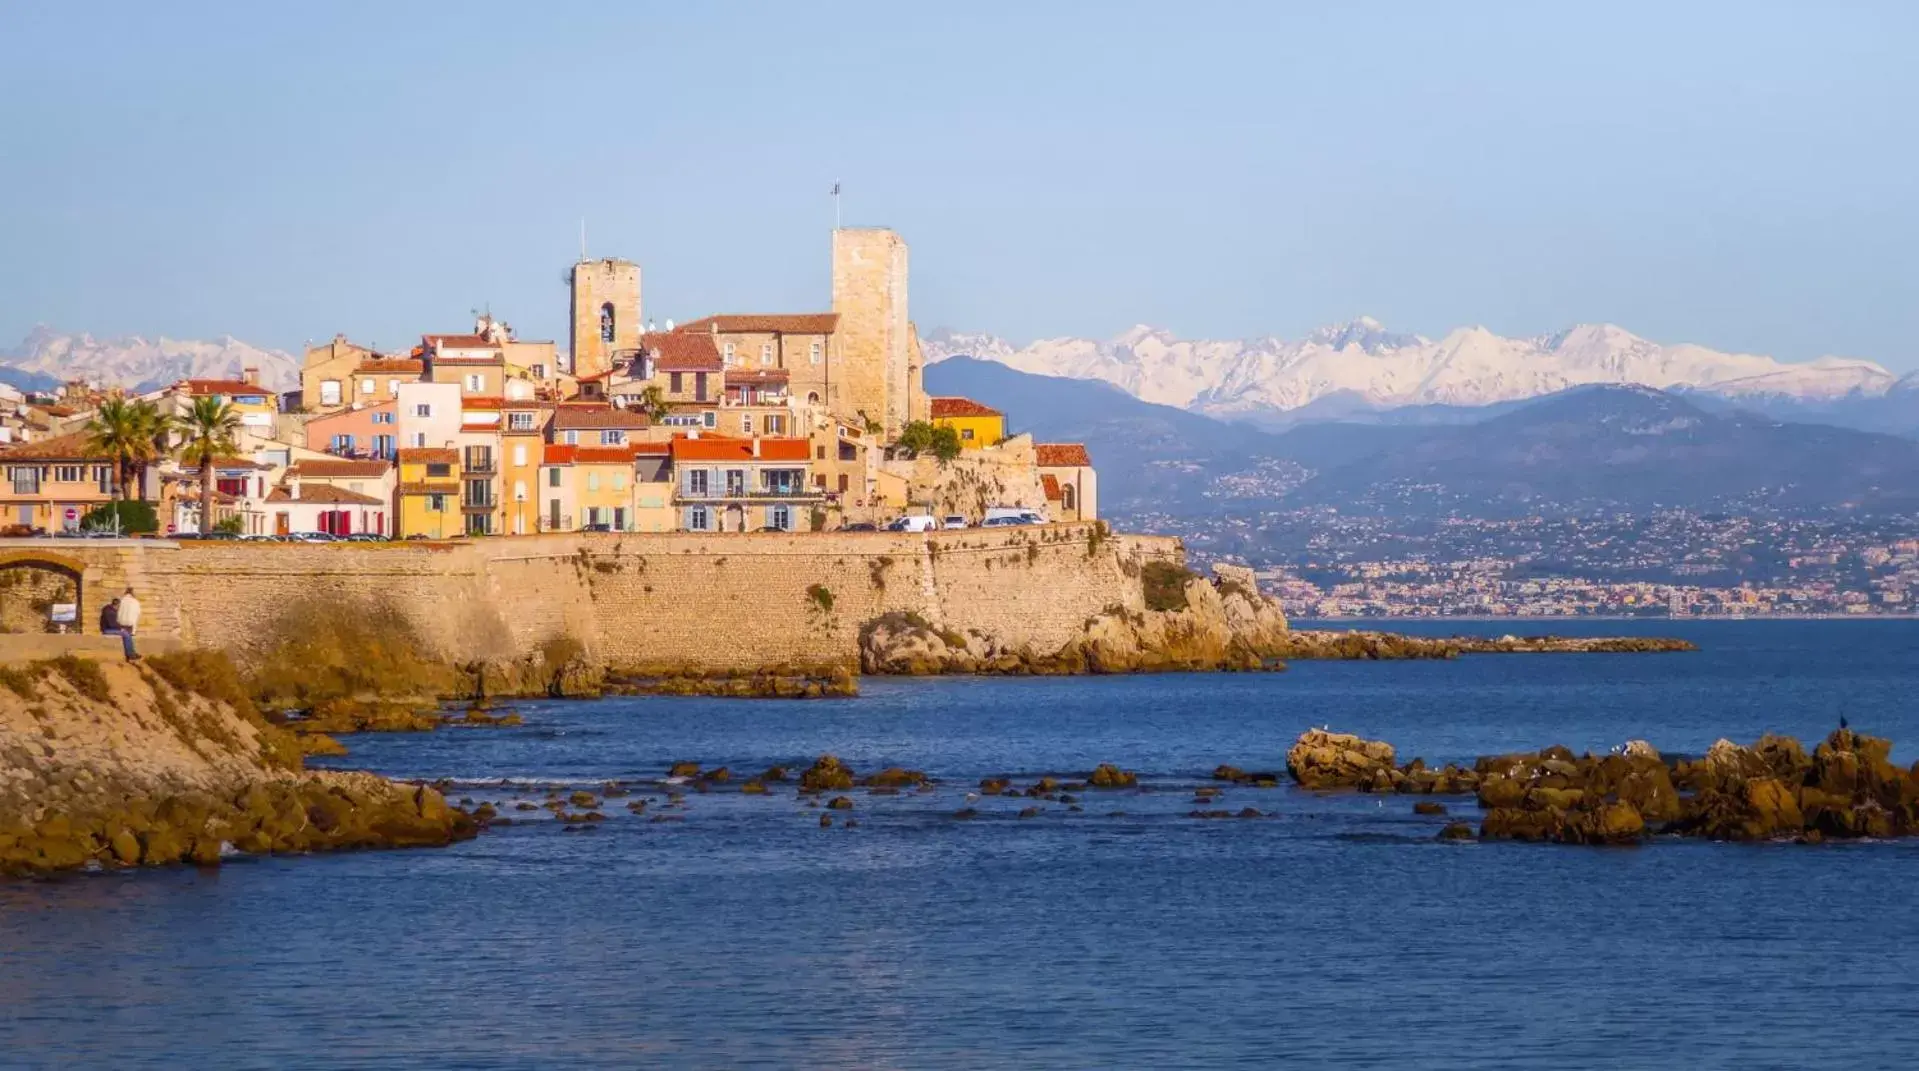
[(164, 762), (1224, 624)]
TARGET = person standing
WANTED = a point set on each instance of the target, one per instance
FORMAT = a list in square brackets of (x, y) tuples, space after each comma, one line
[(127, 616)]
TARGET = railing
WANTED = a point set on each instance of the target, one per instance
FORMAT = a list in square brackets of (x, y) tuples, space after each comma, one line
[(478, 502), (479, 462), (798, 494)]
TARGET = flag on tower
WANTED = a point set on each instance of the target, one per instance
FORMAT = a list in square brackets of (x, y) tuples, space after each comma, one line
[(835, 191)]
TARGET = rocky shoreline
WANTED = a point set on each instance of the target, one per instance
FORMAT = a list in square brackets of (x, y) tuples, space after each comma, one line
[(118, 765)]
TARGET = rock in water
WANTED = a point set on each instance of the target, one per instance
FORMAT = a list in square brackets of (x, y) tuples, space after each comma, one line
[(1107, 775), (1322, 759), (827, 774)]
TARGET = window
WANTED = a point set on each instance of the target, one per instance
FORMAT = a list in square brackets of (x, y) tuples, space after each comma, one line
[(519, 490), (553, 521), (103, 479), (436, 503), (393, 386), (1066, 496), (842, 483), (709, 419), (612, 437), (619, 518), (698, 519), (475, 383), (619, 481), (340, 444), (674, 385), (735, 482), (966, 433), (366, 386), (775, 424), (519, 422), (69, 473), (766, 353), (592, 481), (570, 438), (553, 477), (606, 322), (383, 447), (424, 409), (519, 454), (812, 397), (699, 386), (383, 418), (26, 479), (726, 355), (780, 517), (419, 438), (440, 469), (696, 481), (746, 423), (813, 355)]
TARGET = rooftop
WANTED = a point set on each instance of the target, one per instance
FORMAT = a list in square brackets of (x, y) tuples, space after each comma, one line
[(340, 468), (70, 447), (716, 449), (1062, 455), (324, 493), (676, 352), (428, 455), (577, 417), (960, 407), (778, 323)]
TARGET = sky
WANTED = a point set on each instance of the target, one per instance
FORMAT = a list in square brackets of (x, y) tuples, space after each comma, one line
[(1739, 175)]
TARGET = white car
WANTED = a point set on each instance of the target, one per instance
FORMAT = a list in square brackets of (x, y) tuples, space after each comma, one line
[(954, 521), (914, 522)]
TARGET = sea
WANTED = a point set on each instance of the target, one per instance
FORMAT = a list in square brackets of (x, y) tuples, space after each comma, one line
[(1333, 931)]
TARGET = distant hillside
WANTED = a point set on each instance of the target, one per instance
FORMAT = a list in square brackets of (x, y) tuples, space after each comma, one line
[(1151, 458), (142, 364), (1624, 448)]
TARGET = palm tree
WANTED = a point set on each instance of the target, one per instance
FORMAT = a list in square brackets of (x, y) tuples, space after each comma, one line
[(207, 434), (653, 401), (129, 432)]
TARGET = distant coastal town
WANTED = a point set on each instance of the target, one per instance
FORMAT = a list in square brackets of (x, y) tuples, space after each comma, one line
[(731, 423)]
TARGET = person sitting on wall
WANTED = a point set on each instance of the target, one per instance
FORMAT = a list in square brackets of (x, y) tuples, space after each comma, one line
[(127, 617), (110, 618)]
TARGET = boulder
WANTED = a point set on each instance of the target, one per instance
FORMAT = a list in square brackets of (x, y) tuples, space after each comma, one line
[(1456, 831), (827, 774), (895, 777), (1425, 807), (1107, 775), (1322, 759)]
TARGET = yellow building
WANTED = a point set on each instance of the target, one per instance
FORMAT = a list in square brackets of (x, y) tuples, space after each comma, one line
[(523, 439), (587, 488), (429, 493), (978, 425), (255, 405), (51, 484)]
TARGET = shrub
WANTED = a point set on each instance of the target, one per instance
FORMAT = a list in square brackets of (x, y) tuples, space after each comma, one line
[(820, 597), (131, 517), (229, 525), (335, 650), (85, 676), (205, 673), (17, 680), (1164, 585)]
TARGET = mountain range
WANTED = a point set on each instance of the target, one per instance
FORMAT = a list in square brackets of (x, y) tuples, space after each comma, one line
[(46, 358), (1361, 368)]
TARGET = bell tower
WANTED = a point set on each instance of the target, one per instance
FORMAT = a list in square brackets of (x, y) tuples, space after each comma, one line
[(606, 314)]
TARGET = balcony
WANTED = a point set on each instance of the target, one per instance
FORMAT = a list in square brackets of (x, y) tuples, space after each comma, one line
[(788, 494), (479, 462)]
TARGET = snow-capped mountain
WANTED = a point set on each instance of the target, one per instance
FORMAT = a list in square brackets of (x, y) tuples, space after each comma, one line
[(142, 363), (1364, 362)]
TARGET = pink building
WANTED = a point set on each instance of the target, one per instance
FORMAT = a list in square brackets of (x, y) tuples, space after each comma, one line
[(372, 431)]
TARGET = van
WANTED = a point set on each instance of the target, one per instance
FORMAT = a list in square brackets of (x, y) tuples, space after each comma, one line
[(914, 522), (954, 520)]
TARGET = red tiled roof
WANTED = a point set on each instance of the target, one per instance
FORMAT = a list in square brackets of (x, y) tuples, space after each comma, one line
[(392, 365), (478, 401), (324, 493), (960, 407), (563, 454), (223, 386), (337, 468), (751, 377), (458, 342), (712, 449), (429, 488), (675, 352), (576, 417), (1062, 455), (1051, 483), (651, 448), (423, 455), (782, 323), (69, 447)]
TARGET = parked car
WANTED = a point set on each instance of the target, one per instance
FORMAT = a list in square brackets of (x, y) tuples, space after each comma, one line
[(1003, 522), (1023, 514), (313, 537), (19, 531), (954, 521), (914, 522), (601, 527), (861, 526), (364, 537), (263, 539)]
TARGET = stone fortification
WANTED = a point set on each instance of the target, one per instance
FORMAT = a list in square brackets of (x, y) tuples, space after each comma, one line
[(701, 602)]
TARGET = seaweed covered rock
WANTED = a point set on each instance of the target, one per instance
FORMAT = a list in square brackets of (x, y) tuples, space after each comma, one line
[(827, 774), (1107, 775), (1323, 759)]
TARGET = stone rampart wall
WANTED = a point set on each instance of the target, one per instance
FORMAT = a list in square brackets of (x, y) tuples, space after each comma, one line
[(706, 602)]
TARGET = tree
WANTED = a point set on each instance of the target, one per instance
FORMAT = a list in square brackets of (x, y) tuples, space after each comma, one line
[(130, 433), (921, 437), (653, 401), (207, 434)]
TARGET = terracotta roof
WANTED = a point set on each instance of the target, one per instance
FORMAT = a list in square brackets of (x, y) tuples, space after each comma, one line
[(712, 449), (573, 418), (69, 447), (429, 488), (324, 493), (675, 352), (479, 401), (458, 342), (790, 323), (340, 468), (754, 376), (960, 407), (223, 386), (563, 454), (392, 365), (424, 455), (651, 448), (1062, 455), (1051, 483)]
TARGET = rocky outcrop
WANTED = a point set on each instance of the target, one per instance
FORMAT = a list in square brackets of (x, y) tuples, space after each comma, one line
[(121, 765), (1365, 645), (1223, 624), (1322, 759), (771, 682)]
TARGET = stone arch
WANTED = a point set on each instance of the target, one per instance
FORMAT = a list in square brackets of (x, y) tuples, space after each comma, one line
[(29, 566)]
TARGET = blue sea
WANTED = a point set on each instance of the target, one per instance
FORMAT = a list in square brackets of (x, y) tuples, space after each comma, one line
[(1333, 931)]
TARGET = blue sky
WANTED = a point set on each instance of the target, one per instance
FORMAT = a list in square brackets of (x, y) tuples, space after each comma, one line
[(1739, 174)]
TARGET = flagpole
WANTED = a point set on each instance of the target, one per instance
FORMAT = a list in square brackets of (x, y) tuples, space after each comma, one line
[(836, 206)]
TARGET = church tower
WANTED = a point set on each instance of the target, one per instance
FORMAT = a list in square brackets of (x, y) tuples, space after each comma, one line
[(877, 373), (606, 314)]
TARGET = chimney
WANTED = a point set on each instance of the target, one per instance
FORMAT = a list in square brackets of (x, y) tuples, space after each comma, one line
[(756, 446), (250, 376)]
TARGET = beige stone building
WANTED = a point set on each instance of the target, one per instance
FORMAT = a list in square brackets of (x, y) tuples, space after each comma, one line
[(1072, 487), (879, 369), (606, 315)]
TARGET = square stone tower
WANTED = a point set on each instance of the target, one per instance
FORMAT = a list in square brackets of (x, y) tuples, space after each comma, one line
[(606, 314), (876, 375)]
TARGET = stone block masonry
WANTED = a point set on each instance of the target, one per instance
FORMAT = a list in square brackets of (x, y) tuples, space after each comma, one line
[(673, 600)]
